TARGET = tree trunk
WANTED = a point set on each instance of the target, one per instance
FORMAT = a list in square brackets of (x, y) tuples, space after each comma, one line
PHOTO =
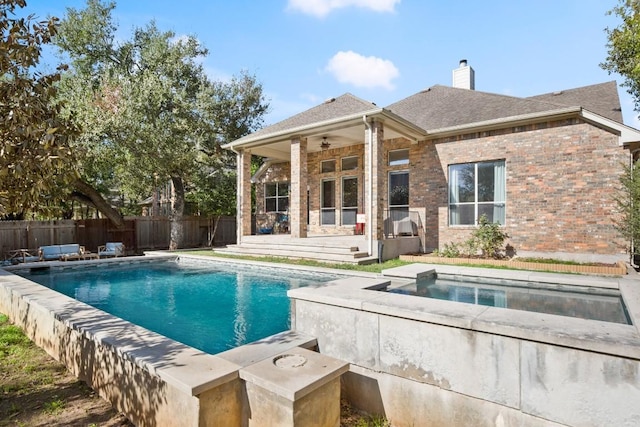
[(212, 235), (177, 212), (99, 202)]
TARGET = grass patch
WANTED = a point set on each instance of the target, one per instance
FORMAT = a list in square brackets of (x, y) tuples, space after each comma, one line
[(11, 336), (37, 390), (54, 407), (20, 359), (371, 268)]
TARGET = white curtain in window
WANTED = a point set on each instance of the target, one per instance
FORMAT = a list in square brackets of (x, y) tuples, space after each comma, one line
[(454, 195), (499, 192)]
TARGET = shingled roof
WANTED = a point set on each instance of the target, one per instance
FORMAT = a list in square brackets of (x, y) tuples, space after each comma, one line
[(600, 98), (334, 108), (443, 106)]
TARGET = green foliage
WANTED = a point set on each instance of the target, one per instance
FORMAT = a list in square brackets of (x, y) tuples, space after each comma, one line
[(36, 162), (451, 250), (624, 47), (10, 336), (373, 421), (214, 191), (149, 112), (627, 199), (54, 407), (489, 238)]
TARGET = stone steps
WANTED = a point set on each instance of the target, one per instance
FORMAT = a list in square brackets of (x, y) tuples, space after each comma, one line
[(319, 251)]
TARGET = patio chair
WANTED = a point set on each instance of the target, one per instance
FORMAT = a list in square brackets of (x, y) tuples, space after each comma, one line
[(111, 249)]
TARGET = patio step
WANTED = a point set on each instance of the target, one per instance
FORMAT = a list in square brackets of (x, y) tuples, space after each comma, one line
[(314, 250)]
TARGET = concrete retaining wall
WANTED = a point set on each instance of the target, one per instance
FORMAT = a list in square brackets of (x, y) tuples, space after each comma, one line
[(427, 362)]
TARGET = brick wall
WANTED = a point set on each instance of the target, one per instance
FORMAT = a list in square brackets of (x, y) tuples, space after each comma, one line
[(561, 178)]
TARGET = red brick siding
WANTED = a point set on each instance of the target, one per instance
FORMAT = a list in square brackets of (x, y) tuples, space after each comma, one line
[(561, 177)]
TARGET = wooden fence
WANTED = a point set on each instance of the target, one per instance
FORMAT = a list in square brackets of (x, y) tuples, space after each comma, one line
[(139, 234)]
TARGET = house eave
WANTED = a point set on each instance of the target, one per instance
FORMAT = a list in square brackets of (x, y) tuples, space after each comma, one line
[(400, 125), (518, 120), (627, 135)]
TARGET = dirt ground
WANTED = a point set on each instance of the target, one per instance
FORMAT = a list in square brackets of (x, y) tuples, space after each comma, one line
[(41, 392)]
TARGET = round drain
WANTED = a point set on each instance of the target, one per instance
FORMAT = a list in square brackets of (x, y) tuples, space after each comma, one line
[(289, 361)]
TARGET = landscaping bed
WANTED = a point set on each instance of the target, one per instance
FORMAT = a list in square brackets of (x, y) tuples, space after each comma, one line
[(617, 269)]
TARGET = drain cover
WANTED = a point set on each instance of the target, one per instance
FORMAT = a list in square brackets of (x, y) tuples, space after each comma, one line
[(289, 361)]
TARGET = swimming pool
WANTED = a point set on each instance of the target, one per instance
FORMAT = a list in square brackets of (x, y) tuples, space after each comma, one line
[(573, 301), (211, 306)]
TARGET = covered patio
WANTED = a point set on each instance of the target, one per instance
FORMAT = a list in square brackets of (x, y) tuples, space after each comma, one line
[(331, 162)]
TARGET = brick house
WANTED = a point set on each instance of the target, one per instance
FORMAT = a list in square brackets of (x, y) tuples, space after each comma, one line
[(418, 173)]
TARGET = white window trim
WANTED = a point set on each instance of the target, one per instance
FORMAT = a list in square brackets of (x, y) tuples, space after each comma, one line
[(342, 207), (277, 197), (401, 162), (397, 172), (335, 165), (350, 157), (475, 189), (322, 208)]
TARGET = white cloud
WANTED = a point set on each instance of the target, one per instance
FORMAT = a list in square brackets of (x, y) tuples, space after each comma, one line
[(362, 71), (321, 8)]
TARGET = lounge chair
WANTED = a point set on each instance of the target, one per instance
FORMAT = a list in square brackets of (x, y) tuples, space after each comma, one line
[(61, 252), (111, 249), (22, 255)]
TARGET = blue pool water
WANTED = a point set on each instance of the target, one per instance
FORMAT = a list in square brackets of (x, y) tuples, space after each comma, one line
[(600, 304), (210, 306)]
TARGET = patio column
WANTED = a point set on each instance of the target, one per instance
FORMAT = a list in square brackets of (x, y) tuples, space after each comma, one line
[(374, 182), (298, 192), (243, 195)]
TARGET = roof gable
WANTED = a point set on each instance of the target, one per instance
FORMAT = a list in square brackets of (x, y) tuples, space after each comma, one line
[(333, 108)]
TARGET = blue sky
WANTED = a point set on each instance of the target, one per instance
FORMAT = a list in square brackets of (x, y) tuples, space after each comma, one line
[(306, 51)]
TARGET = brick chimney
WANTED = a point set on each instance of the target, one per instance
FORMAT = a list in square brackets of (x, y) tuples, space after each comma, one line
[(464, 76)]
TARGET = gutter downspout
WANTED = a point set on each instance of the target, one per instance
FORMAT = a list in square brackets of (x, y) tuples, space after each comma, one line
[(238, 200), (370, 190), (633, 248)]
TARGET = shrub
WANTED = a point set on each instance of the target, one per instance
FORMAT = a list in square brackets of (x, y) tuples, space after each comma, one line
[(450, 250), (489, 238)]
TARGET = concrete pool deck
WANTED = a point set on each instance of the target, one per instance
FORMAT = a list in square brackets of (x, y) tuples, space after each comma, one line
[(413, 360)]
